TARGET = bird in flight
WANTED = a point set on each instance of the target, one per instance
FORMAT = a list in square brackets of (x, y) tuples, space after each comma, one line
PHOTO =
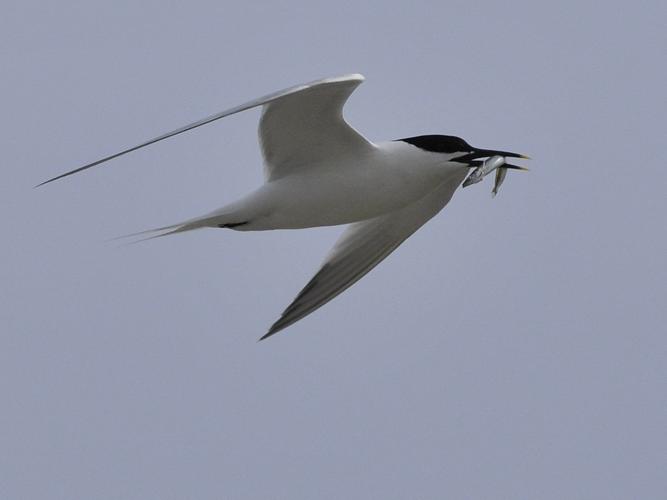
[(319, 171)]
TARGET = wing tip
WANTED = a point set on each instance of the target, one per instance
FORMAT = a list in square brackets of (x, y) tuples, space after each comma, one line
[(275, 328), (280, 324), (350, 77), (50, 180), (355, 76)]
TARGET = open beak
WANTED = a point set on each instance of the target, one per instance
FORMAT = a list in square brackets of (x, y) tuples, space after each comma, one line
[(487, 153)]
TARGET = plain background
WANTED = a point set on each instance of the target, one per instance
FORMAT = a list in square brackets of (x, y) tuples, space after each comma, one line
[(514, 348)]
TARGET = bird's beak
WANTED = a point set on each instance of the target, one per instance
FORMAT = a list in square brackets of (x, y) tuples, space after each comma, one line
[(487, 153)]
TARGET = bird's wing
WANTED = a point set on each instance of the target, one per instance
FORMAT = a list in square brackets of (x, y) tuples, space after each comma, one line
[(360, 248), (299, 124), (307, 126)]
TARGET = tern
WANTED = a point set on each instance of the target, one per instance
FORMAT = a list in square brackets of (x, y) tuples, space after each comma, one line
[(319, 171)]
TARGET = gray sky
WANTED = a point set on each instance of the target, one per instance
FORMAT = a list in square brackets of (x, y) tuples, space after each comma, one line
[(513, 348)]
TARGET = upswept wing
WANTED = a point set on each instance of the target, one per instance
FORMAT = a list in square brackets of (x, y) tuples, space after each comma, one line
[(305, 127), (300, 124), (360, 248)]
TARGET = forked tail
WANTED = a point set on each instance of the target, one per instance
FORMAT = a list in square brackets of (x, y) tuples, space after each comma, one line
[(159, 232)]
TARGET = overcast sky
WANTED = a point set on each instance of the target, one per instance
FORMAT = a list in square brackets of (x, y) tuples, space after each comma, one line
[(514, 348)]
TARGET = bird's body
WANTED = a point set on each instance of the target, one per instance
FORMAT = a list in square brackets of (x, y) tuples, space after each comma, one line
[(341, 190), (321, 172)]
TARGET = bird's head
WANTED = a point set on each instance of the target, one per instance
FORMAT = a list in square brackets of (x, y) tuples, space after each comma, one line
[(457, 149)]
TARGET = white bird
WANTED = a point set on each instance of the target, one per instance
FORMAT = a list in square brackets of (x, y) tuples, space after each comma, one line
[(321, 172)]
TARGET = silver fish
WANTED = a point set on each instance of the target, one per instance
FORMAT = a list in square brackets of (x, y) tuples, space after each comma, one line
[(488, 166), (501, 173), (500, 177)]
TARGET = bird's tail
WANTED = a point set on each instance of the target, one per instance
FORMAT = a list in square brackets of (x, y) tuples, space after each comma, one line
[(159, 232)]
